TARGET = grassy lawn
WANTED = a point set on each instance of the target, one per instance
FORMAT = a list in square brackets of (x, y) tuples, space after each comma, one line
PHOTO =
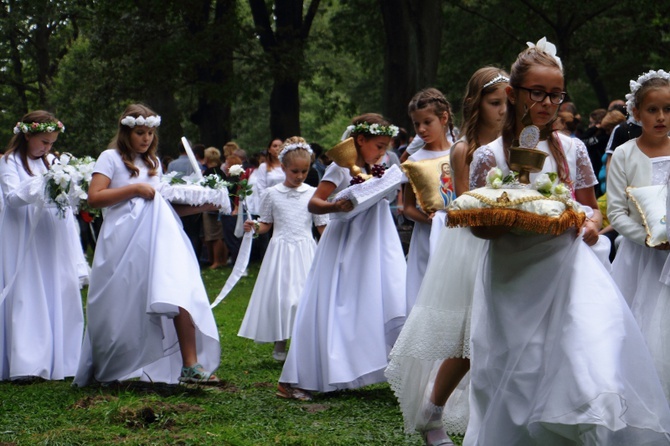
[(242, 410)]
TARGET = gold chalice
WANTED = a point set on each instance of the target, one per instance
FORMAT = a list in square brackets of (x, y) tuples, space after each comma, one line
[(344, 154), (526, 161)]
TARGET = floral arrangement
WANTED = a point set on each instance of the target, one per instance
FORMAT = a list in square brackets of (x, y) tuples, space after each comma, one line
[(38, 127), (67, 183), (149, 121), (546, 183), (371, 129), (241, 183), (635, 85)]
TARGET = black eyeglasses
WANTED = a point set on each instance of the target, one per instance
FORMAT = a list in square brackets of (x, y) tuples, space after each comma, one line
[(536, 95)]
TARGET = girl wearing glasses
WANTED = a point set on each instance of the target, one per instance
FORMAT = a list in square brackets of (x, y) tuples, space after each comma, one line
[(557, 357)]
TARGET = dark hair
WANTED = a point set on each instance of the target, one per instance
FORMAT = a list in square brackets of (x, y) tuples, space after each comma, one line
[(121, 142), (19, 143), (433, 97), (270, 158)]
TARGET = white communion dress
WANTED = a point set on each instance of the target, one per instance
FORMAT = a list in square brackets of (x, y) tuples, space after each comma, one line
[(424, 237), (637, 268), (557, 357), (274, 300), (144, 269), (353, 303), (41, 317)]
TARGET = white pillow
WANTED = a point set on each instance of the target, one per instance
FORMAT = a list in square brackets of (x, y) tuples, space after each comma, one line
[(650, 202), (522, 209)]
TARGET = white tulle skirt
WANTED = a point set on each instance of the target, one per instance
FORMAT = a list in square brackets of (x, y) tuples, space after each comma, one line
[(438, 328), (557, 357), (638, 271), (144, 269), (352, 307), (274, 301)]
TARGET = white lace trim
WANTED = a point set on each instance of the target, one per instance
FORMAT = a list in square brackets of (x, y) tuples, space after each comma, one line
[(194, 195)]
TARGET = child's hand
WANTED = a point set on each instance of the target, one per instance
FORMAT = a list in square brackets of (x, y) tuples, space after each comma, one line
[(248, 226), (145, 191), (344, 206), (590, 232)]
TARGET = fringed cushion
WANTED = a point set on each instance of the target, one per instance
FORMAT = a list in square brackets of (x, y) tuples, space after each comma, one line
[(524, 210), (431, 182), (195, 195), (650, 202)]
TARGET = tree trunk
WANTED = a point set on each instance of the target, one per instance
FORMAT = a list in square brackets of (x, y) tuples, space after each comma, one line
[(413, 34)]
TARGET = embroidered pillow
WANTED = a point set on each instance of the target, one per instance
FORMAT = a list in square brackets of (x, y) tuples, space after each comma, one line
[(523, 210), (650, 202), (431, 182)]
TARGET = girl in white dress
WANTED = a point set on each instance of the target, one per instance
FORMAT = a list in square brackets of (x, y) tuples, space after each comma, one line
[(431, 114), (274, 301), (640, 162), (432, 353), (41, 317), (557, 357), (353, 304), (147, 311)]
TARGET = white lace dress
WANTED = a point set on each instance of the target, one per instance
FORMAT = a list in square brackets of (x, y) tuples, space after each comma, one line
[(41, 318), (274, 300), (638, 269), (424, 238), (437, 328), (557, 357), (353, 303), (144, 269)]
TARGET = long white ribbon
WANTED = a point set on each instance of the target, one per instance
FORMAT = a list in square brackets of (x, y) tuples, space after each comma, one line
[(241, 264)]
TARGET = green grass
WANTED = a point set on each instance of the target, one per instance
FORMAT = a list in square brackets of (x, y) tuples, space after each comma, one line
[(243, 410)]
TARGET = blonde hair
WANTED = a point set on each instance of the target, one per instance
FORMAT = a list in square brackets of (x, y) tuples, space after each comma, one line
[(213, 155), (230, 148), (475, 91), (291, 155), (121, 142)]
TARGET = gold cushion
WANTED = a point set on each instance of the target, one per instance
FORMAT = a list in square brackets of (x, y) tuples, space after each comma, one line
[(650, 202), (523, 210), (431, 182)]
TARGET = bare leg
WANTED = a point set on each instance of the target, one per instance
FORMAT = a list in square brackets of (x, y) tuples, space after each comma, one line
[(450, 373), (186, 335)]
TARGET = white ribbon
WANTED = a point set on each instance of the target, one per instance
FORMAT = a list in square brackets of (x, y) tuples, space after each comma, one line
[(241, 264)]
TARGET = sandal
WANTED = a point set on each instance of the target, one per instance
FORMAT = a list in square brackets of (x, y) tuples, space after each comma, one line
[(293, 393), (196, 374)]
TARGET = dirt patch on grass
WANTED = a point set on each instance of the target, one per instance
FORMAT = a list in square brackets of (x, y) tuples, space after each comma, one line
[(90, 401), (158, 413)]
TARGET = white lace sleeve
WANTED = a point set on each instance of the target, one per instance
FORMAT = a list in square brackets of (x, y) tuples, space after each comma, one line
[(320, 219), (482, 161), (266, 207), (585, 175)]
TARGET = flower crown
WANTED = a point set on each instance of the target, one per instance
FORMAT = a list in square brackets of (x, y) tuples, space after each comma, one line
[(546, 47), (293, 146), (38, 127), (149, 121), (371, 129), (637, 84), (496, 80)]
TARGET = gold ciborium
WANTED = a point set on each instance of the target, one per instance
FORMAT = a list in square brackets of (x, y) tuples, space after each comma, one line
[(526, 161), (344, 154)]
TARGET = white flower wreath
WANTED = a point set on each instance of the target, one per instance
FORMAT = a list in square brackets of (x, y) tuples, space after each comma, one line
[(293, 146), (149, 121), (546, 47), (635, 85)]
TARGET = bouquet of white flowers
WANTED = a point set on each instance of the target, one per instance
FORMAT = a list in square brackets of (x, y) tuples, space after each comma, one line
[(67, 182)]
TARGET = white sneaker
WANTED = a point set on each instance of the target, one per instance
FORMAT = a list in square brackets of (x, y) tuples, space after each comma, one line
[(279, 356)]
